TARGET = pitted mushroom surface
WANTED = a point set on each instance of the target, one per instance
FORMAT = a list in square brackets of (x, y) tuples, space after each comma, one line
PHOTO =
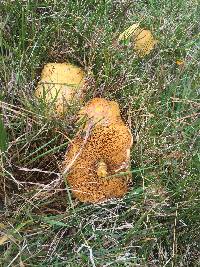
[(97, 162)]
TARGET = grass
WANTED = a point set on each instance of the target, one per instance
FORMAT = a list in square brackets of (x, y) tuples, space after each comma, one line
[(157, 222)]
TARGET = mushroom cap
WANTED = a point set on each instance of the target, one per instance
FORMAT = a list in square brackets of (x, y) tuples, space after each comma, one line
[(143, 39), (100, 159), (61, 83), (101, 111), (144, 42)]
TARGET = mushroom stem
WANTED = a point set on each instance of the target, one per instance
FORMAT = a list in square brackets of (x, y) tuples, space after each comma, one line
[(102, 170)]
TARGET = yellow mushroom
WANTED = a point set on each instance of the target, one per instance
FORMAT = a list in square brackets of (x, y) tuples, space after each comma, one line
[(61, 84), (143, 40), (97, 161)]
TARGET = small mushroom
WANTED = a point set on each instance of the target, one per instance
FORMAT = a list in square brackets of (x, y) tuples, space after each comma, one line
[(97, 161), (60, 85), (143, 40)]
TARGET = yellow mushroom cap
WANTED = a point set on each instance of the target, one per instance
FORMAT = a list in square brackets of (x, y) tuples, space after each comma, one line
[(143, 39), (101, 111), (144, 42), (60, 83), (97, 162)]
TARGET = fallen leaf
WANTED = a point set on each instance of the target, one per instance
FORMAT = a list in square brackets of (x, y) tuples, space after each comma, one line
[(179, 62), (129, 32)]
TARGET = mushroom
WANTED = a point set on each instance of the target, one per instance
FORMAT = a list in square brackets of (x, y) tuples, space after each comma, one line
[(97, 161), (60, 85), (143, 40)]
